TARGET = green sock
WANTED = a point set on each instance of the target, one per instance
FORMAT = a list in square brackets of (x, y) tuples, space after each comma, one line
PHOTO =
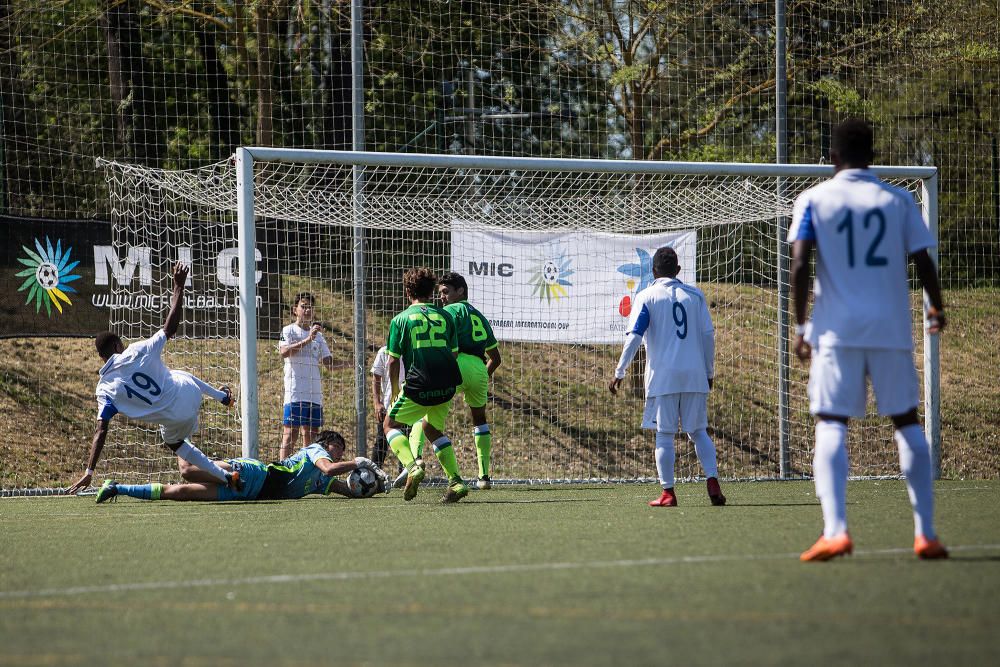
[(156, 491), (445, 454), (400, 447), (484, 442), (417, 440)]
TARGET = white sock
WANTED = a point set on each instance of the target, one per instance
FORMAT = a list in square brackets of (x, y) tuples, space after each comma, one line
[(705, 449), (665, 459), (196, 457), (830, 475), (209, 390), (915, 462)]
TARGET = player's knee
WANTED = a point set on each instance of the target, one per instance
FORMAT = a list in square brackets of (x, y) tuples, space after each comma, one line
[(186, 469), (699, 435)]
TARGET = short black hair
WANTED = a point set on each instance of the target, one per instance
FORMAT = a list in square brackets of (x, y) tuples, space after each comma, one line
[(330, 437), (106, 343), (456, 281), (303, 295), (665, 263), (419, 282), (854, 141)]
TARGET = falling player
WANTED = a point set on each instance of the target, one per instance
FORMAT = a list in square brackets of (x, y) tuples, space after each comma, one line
[(136, 383)]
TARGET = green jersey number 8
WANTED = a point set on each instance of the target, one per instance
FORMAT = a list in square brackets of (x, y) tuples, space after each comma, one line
[(478, 329), (428, 331)]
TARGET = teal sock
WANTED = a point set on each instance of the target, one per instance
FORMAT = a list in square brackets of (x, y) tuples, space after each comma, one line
[(141, 491)]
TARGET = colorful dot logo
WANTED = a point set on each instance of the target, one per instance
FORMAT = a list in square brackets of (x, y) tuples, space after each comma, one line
[(48, 276)]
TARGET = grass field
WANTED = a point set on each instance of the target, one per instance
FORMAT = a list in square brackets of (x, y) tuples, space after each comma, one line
[(513, 576)]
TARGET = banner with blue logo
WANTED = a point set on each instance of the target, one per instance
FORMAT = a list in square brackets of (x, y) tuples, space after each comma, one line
[(561, 287)]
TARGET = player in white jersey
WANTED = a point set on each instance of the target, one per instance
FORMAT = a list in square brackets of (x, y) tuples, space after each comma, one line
[(303, 348), (673, 321), (863, 230), (136, 383), (382, 400)]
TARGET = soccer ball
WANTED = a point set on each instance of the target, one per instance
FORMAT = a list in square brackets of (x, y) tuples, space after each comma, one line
[(362, 483), (550, 272), (47, 275)]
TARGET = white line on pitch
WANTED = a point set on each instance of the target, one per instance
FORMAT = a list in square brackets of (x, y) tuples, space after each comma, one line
[(436, 572)]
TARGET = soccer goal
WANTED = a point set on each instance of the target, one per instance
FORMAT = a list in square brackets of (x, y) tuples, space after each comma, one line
[(554, 251)]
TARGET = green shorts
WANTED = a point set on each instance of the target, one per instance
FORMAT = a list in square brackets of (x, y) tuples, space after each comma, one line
[(475, 379), (408, 412)]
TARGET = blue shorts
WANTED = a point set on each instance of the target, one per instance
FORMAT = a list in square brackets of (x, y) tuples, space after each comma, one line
[(252, 474), (302, 413)]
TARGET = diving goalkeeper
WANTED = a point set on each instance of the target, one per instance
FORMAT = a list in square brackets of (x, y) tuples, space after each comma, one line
[(311, 470)]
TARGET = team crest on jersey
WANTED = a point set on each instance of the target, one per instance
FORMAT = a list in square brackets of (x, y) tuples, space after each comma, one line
[(550, 276), (48, 275), (638, 276)]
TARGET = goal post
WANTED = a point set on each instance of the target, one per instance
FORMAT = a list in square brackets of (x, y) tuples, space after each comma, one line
[(554, 251)]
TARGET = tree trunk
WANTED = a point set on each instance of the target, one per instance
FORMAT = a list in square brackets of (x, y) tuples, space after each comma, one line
[(262, 75), (140, 111), (224, 113)]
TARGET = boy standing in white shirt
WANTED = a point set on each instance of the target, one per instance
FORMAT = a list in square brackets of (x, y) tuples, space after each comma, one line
[(673, 320), (303, 348), (863, 230)]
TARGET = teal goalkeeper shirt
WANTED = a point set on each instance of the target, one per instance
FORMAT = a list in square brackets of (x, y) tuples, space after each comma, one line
[(302, 477)]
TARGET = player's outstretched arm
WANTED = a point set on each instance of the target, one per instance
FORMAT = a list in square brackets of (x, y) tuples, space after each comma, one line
[(801, 254), (927, 274), (100, 435), (176, 300)]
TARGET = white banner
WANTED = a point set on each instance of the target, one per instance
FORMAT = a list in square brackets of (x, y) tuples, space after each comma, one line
[(574, 287)]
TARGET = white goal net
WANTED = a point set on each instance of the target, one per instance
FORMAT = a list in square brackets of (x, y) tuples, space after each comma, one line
[(554, 251)]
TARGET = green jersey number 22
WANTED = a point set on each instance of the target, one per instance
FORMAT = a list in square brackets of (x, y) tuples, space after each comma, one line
[(428, 331)]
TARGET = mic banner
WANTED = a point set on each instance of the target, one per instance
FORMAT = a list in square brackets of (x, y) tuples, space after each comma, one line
[(560, 287)]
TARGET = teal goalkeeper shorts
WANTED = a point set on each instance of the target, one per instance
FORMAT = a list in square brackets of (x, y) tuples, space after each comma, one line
[(252, 474), (475, 379)]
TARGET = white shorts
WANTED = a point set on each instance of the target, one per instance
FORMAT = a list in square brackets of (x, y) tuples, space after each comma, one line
[(180, 420), (662, 413), (837, 381)]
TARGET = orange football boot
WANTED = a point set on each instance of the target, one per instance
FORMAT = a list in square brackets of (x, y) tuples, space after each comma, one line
[(929, 549), (827, 548)]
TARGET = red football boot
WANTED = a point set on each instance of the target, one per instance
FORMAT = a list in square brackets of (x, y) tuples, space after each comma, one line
[(666, 499)]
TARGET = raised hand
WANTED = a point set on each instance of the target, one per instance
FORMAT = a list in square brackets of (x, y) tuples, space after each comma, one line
[(181, 271)]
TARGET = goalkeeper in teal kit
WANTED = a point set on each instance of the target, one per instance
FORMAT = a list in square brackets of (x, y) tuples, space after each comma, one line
[(311, 470)]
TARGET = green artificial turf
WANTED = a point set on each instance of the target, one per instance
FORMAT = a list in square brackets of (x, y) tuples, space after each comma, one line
[(514, 576)]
